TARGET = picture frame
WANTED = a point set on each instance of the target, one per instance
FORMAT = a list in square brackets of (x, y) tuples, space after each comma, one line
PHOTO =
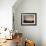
[(29, 19)]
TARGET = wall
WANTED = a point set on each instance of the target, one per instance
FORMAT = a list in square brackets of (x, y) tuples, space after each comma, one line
[(43, 22), (6, 13), (6, 16), (29, 32)]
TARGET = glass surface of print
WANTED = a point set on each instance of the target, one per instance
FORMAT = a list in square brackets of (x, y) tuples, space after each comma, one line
[(28, 18)]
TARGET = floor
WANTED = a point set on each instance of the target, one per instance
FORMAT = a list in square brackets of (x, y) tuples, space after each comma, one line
[(9, 43), (16, 41)]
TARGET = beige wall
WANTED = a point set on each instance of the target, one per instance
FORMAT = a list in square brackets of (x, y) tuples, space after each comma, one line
[(6, 16), (43, 22), (6, 13), (37, 33), (28, 6)]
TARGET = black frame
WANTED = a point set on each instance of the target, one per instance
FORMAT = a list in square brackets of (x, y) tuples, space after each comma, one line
[(22, 16)]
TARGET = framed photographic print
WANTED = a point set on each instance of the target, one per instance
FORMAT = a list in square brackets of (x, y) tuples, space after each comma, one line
[(28, 18)]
